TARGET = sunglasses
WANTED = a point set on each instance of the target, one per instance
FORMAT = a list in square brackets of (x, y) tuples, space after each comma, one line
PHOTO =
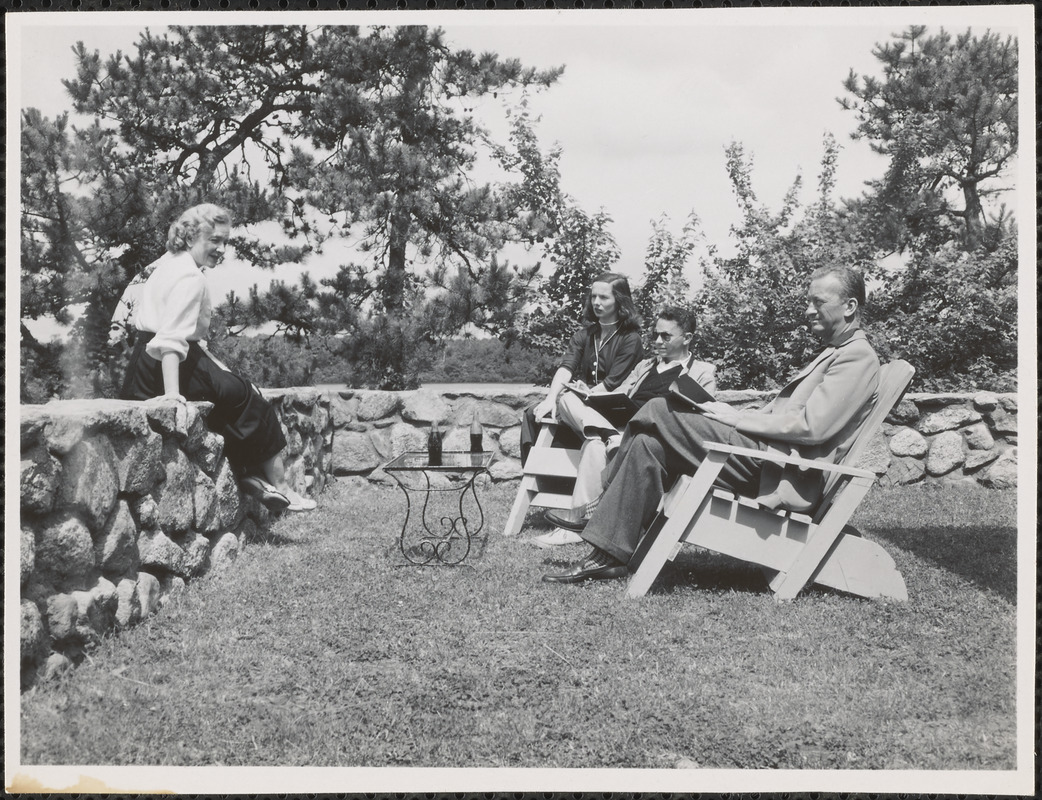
[(663, 335)]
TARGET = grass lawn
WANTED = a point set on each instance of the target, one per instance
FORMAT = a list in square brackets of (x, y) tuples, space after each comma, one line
[(322, 649)]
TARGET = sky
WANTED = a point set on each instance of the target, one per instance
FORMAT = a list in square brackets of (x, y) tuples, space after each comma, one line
[(643, 112)]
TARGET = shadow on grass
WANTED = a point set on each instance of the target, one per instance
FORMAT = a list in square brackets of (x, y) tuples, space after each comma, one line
[(272, 537), (705, 571), (985, 556), (692, 569)]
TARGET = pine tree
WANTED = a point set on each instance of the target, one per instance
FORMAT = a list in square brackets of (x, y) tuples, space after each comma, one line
[(393, 141), (945, 112), (237, 115)]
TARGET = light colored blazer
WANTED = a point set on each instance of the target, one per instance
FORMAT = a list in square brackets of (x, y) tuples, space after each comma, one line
[(701, 371), (817, 416)]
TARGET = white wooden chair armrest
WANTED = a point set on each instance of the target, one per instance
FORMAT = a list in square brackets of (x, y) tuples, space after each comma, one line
[(778, 458)]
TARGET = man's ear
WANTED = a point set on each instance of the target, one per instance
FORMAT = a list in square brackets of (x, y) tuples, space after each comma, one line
[(852, 307)]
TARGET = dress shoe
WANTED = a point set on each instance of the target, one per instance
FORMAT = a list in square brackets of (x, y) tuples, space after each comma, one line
[(595, 567), (562, 521)]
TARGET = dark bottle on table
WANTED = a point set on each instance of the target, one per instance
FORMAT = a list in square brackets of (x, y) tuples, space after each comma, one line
[(434, 446), (475, 436)]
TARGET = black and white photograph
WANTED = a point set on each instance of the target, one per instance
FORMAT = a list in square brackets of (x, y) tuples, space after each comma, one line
[(603, 400)]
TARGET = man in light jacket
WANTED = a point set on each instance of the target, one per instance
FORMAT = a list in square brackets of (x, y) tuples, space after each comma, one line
[(816, 416), (649, 379)]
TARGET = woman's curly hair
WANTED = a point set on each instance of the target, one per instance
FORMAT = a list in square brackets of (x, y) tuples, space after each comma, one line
[(184, 232)]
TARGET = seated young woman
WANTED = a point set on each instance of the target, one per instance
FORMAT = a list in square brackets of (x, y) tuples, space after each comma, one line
[(170, 358), (599, 355)]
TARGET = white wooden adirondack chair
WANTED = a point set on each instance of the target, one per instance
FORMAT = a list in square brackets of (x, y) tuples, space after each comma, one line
[(549, 475), (794, 549)]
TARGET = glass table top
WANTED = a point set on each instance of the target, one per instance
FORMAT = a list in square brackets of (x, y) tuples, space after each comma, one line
[(451, 461)]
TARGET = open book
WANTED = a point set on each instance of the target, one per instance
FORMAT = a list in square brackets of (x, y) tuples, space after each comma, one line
[(689, 391), (616, 407)]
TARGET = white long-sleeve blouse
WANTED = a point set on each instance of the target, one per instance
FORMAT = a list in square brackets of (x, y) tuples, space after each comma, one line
[(175, 305)]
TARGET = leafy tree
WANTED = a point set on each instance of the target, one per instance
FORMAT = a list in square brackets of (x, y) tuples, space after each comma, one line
[(945, 112), (580, 249), (663, 282), (750, 307), (953, 315)]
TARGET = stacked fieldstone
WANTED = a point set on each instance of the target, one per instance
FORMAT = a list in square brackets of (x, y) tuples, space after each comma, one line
[(372, 427), (928, 437), (945, 437), (123, 502)]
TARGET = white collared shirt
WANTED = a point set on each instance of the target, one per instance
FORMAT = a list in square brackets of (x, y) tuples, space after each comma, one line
[(663, 366), (175, 306)]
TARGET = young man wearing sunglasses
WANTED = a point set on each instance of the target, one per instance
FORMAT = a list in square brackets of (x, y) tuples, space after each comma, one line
[(650, 378)]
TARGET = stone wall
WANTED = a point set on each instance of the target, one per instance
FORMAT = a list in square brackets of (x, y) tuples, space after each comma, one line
[(950, 437), (123, 503), (371, 427), (927, 438)]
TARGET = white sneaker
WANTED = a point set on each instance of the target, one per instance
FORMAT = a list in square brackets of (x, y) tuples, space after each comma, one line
[(557, 537), (299, 502)]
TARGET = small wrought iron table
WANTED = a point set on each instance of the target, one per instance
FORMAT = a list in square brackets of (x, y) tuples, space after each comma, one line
[(445, 539)]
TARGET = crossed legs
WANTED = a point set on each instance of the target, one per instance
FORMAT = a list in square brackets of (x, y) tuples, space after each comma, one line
[(661, 442)]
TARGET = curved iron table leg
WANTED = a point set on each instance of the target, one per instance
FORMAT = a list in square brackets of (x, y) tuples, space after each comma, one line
[(437, 546)]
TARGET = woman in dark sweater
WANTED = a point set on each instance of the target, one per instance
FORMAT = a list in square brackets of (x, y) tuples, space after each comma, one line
[(600, 354)]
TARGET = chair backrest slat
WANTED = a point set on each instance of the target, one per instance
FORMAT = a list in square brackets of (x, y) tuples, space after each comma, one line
[(893, 381)]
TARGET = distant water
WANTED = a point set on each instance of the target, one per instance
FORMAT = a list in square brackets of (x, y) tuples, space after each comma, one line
[(477, 388)]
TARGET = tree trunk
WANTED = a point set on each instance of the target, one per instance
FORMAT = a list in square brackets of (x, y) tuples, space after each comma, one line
[(974, 215), (393, 283)]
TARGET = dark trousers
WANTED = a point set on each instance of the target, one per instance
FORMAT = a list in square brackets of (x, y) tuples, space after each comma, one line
[(251, 430), (563, 436), (663, 441)]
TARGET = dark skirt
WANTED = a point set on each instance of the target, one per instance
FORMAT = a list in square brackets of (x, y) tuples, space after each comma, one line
[(251, 430), (563, 436)]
